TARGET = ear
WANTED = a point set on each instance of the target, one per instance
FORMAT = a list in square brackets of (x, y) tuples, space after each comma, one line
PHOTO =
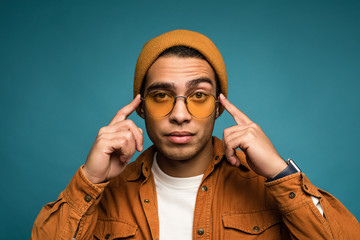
[(217, 112), (141, 111)]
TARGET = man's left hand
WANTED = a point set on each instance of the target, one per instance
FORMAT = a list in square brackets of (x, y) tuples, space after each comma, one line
[(260, 153)]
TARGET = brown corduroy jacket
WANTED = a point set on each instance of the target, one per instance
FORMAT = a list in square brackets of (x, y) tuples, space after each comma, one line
[(231, 203)]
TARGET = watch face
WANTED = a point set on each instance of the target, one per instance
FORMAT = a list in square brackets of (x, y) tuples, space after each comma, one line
[(292, 163)]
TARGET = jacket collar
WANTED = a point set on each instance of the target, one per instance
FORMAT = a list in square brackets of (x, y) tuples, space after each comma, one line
[(142, 165), (219, 151)]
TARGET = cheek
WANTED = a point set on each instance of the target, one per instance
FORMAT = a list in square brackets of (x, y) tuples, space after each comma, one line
[(207, 124), (149, 124), (153, 127)]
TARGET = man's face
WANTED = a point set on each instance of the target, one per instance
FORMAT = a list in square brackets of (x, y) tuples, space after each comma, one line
[(179, 135)]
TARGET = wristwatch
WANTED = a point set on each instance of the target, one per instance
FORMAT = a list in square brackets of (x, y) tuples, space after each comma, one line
[(290, 169)]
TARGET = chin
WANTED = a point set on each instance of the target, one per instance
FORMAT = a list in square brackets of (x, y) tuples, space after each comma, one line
[(178, 153), (181, 152)]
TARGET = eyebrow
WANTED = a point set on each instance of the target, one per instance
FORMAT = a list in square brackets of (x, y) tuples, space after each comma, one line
[(195, 82), (160, 85), (171, 86)]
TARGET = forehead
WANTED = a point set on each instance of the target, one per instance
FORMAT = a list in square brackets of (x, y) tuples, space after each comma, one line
[(180, 71)]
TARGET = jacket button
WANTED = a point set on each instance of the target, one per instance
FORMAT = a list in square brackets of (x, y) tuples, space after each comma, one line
[(107, 236), (200, 231), (256, 229), (292, 195), (217, 157), (146, 201), (204, 188), (87, 198)]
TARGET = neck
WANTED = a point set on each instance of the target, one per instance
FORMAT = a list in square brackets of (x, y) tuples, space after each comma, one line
[(194, 166)]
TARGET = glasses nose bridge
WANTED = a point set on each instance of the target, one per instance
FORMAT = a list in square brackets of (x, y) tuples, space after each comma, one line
[(176, 97), (185, 101)]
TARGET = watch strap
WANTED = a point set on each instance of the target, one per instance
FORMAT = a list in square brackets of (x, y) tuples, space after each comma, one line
[(290, 169)]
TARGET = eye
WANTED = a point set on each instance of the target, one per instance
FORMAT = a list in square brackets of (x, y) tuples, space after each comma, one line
[(161, 96), (198, 96)]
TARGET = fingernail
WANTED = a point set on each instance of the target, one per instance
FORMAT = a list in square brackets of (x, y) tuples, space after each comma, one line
[(222, 96), (141, 130)]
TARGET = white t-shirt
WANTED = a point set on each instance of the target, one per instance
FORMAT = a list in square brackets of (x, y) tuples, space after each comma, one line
[(176, 202)]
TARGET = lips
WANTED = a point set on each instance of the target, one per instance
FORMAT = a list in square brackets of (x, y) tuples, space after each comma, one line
[(180, 137)]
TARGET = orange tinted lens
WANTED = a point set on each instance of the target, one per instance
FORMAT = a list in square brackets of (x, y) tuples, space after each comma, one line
[(201, 105), (159, 103)]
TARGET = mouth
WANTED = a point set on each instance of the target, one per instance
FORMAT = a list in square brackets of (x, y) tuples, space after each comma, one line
[(180, 137)]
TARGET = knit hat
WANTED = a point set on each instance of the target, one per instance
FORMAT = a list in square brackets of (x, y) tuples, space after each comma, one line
[(154, 47)]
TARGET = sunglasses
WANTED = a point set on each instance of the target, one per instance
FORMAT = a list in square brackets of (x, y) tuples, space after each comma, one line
[(160, 103)]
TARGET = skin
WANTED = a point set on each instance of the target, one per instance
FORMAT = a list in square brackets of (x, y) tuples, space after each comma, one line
[(183, 142), (193, 157)]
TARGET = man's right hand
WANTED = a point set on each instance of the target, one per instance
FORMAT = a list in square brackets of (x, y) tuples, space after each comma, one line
[(114, 146)]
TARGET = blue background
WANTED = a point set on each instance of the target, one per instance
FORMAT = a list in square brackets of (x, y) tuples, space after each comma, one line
[(66, 67)]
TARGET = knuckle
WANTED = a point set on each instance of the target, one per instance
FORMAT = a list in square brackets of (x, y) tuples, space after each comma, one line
[(250, 134), (102, 131), (123, 141), (254, 126), (129, 122), (252, 130), (128, 135)]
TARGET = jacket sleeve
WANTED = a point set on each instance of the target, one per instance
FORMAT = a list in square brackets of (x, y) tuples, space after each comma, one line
[(74, 212), (302, 218)]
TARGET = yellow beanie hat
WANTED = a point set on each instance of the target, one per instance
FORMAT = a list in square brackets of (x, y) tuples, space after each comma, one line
[(154, 47)]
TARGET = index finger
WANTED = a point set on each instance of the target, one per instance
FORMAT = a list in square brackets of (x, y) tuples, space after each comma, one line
[(123, 113), (239, 117)]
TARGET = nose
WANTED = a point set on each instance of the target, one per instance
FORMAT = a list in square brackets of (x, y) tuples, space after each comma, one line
[(180, 113)]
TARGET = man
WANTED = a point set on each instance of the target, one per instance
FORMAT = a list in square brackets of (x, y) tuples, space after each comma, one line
[(189, 185)]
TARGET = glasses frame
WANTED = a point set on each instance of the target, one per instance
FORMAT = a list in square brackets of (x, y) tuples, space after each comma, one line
[(217, 101)]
